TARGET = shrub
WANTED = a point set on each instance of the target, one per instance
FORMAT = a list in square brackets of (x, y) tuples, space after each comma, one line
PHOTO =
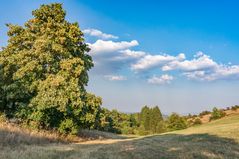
[(217, 114), (142, 131), (68, 126), (161, 127), (234, 108), (197, 121), (204, 113), (176, 122)]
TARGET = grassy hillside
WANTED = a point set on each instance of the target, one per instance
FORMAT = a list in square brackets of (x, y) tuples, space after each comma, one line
[(217, 139), (206, 118)]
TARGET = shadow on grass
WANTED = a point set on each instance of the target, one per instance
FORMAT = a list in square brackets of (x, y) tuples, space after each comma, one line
[(171, 146), (149, 147), (95, 134)]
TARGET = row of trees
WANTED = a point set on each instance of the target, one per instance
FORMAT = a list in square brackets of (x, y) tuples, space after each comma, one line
[(148, 121)]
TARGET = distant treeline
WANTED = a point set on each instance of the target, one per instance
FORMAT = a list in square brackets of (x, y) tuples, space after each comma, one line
[(151, 121), (148, 121)]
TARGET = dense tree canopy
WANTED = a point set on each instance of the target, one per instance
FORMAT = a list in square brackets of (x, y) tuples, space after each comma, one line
[(44, 73), (176, 122), (151, 120)]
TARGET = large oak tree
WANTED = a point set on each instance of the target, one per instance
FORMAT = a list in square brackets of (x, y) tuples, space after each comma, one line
[(43, 72)]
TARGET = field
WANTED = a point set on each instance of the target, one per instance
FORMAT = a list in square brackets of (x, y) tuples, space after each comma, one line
[(216, 139)]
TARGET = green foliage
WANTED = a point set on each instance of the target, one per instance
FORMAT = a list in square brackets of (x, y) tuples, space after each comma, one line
[(234, 108), (197, 121), (204, 113), (217, 114), (156, 119), (161, 127), (44, 71), (176, 122), (117, 122), (151, 121), (68, 126), (147, 122), (145, 118), (2, 117)]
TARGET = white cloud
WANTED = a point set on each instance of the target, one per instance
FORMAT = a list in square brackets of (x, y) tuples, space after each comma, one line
[(115, 77), (200, 62), (164, 79), (132, 53), (199, 54), (99, 34), (150, 61), (220, 72), (101, 46), (203, 68), (128, 55), (110, 57)]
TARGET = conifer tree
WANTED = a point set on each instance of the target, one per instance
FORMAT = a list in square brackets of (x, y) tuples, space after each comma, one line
[(156, 118), (145, 118)]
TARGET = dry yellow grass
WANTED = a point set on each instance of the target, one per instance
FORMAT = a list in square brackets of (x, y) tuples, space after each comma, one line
[(206, 118), (13, 134), (217, 139)]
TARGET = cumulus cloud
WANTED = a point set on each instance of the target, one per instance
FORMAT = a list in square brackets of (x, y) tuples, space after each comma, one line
[(163, 79), (201, 61), (111, 56), (203, 68), (151, 61), (220, 72), (115, 77), (128, 55), (101, 46), (132, 53), (99, 34)]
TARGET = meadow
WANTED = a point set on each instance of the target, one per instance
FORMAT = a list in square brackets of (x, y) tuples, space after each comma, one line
[(216, 139)]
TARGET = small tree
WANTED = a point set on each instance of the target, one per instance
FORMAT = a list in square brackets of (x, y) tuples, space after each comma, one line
[(176, 122), (217, 114), (204, 113), (145, 118), (161, 127), (197, 121), (156, 120)]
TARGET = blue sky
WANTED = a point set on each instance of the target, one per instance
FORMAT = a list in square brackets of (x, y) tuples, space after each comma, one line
[(180, 55)]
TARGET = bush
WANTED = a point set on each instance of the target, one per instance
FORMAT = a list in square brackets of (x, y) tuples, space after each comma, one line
[(204, 113), (161, 127), (142, 131), (234, 108), (197, 121), (176, 122), (68, 126), (217, 114)]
